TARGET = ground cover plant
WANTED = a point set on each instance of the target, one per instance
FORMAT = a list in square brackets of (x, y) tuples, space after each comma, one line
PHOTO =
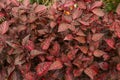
[(68, 40)]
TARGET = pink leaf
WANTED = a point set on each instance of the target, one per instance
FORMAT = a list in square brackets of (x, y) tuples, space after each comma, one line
[(97, 36), (42, 68), (118, 9), (98, 53), (110, 43), (63, 27), (77, 13), (4, 27), (56, 65), (15, 2), (96, 4), (40, 8), (68, 3), (26, 3), (82, 5), (99, 12), (84, 22)]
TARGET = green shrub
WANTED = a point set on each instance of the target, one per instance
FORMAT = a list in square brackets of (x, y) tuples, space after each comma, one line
[(111, 5)]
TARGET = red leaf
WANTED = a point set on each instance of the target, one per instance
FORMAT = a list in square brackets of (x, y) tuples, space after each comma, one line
[(46, 43), (118, 9), (98, 53), (42, 68), (104, 65), (30, 45), (30, 76), (97, 36), (110, 43), (4, 27), (77, 13), (55, 50), (56, 65), (68, 37), (40, 8), (91, 71), (80, 39), (77, 72), (118, 67), (99, 12), (96, 4), (84, 49)]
